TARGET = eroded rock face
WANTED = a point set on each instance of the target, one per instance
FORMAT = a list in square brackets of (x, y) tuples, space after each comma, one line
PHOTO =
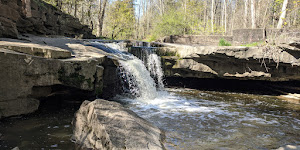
[(235, 62), (20, 73), (107, 125), (44, 19)]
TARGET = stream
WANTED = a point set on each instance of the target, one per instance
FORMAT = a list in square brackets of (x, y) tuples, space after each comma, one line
[(191, 119), (195, 119)]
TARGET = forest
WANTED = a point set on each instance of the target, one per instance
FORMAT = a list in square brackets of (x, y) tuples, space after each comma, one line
[(151, 19)]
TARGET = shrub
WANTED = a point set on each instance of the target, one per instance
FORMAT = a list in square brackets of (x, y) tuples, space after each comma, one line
[(223, 42)]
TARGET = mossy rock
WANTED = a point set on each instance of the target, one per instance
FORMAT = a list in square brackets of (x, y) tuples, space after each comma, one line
[(74, 79)]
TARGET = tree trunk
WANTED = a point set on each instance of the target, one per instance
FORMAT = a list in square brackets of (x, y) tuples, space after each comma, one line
[(233, 11), (258, 16), (27, 8), (295, 15), (222, 13), (246, 14), (82, 13), (283, 13), (212, 16), (75, 8), (264, 23), (102, 5), (205, 16), (253, 19), (89, 19), (225, 15)]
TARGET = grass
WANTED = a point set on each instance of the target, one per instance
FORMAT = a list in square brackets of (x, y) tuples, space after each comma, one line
[(223, 42)]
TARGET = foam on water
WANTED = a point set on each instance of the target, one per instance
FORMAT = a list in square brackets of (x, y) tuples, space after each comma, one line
[(154, 66), (143, 86), (116, 45)]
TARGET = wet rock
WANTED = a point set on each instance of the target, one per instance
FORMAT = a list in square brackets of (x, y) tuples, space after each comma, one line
[(103, 124)]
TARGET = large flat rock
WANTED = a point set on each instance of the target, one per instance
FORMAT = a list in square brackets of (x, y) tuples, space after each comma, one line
[(36, 49)]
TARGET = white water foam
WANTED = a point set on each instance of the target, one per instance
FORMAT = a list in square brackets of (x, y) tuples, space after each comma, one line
[(119, 46), (154, 66), (143, 85), (153, 63)]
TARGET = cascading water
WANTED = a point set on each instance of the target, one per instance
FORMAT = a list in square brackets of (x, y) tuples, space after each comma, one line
[(135, 78), (138, 78), (154, 66), (152, 62)]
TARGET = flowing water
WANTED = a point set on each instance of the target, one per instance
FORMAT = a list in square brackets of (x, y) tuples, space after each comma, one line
[(213, 120), (191, 119), (138, 78), (153, 64), (209, 120)]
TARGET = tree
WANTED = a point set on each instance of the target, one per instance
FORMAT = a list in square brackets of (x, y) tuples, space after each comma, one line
[(283, 13), (151, 19), (171, 23), (246, 14), (253, 19), (102, 7), (27, 8), (121, 19), (225, 16), (212, 16)]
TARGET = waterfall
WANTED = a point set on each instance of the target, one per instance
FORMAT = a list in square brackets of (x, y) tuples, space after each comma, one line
[(138, 79), (154, 66), (152, 62)]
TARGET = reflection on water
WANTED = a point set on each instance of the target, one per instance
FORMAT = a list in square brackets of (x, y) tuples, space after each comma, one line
[(41, 130), (213, 120)]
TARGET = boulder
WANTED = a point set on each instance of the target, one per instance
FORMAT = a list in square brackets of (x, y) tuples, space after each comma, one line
[(108, 125)]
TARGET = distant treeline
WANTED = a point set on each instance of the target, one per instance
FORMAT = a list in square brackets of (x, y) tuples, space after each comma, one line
[(151, 19)]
